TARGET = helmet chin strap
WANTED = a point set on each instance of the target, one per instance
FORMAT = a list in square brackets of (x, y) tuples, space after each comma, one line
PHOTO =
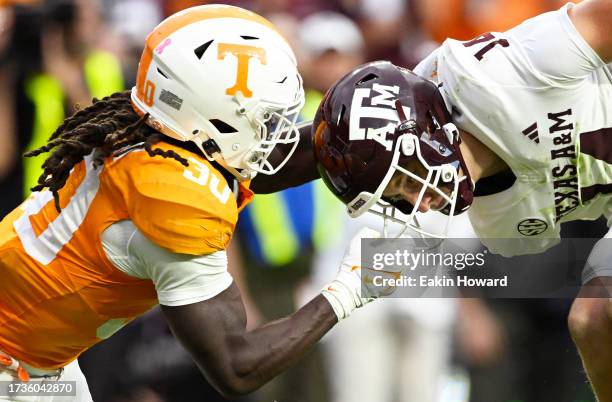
[(239, 175), (210, 149), (466, 184)]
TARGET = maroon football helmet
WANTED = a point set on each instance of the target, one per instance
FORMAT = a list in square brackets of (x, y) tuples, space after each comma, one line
[(375, 122)]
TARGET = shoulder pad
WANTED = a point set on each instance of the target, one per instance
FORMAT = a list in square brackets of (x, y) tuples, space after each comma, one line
[(189, 210)]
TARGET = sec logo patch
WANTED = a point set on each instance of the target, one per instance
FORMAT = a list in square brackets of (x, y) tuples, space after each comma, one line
[(532, 227)]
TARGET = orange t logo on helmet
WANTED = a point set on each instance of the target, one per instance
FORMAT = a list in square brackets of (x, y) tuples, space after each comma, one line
[(196, 77), (243, 54)]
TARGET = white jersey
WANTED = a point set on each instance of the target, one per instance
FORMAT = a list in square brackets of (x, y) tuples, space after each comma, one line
[(541, 99)]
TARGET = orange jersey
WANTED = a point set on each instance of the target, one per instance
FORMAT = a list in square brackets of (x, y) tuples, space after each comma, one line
[(59, 294)]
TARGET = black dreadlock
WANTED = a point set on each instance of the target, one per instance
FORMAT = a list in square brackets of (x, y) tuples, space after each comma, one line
[(108, 125)]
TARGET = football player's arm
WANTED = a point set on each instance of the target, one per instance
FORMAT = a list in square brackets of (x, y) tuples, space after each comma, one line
[(236, 361), (299, 169), (593, 19), (204, 308)]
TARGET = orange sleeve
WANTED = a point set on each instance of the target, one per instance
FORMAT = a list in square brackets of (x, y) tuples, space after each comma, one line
[(176, 210)]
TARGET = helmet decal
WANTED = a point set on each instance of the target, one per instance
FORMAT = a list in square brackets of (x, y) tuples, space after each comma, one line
[(243, 54), (382, 131), (223, 78), (381, 107), (160, 49)]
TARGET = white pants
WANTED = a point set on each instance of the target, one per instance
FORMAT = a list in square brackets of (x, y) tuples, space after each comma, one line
[(72, 372), (379, 355)]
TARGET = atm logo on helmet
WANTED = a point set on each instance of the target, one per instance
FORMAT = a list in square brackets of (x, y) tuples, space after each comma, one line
[(382, 107), (243, 54)]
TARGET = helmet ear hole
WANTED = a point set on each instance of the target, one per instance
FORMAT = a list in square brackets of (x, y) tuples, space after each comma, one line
[(222, 126)]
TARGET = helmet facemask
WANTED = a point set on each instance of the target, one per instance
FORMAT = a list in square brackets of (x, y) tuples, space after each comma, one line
[(443, 181), (225, 79), (276, 126), (379, 122), (272, 125)]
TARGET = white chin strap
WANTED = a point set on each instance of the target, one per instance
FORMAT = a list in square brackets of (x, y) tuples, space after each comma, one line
[(240, 176)]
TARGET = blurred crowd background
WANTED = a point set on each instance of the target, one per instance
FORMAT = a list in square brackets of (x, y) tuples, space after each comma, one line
[(56, 55)]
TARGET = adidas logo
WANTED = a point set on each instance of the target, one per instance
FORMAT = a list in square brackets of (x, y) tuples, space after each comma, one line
[(531, 132)]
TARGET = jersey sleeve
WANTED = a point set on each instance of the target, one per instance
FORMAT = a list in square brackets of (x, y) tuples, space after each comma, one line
[(179, 279), (542, 52), (554, 47), (188, 210), (428, 67)]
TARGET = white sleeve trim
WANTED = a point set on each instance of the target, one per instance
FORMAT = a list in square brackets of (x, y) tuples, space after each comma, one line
[(179, 279)]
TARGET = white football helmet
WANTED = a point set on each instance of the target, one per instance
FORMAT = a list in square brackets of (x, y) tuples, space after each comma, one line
[(224, 78)]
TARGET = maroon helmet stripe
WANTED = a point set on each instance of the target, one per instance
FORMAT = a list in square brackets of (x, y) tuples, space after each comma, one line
[(400, 110), (597, 144)]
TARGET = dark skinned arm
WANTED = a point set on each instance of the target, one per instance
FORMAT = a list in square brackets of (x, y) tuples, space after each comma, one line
[(299, 169), (236, 361)]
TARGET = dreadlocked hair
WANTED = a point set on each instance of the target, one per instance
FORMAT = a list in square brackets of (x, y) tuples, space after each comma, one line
[(109, 126)]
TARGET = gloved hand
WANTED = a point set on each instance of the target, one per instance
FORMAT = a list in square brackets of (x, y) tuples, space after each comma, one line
[(344, 292)]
